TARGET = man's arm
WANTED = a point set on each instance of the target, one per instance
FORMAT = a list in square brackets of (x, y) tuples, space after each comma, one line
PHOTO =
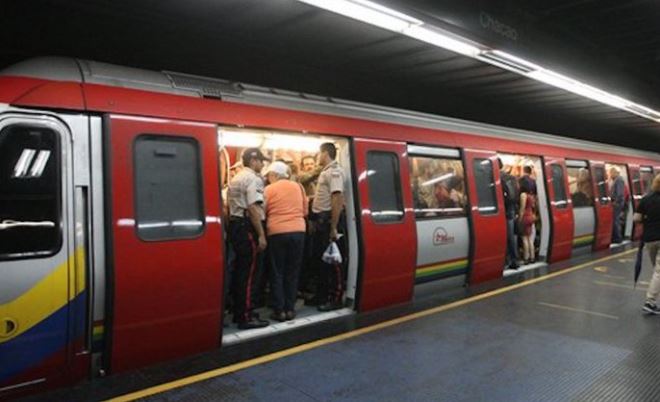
[(255, 218), (337, 205), (305, 178)]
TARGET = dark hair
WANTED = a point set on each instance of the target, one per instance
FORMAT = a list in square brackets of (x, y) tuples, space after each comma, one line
[(330, 149), (527, 169), (499, 162)]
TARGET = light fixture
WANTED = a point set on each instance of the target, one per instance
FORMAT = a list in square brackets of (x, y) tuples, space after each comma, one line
[(384, 17), (239, 138)]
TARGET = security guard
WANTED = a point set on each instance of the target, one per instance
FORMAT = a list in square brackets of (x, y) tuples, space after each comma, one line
[(327, 209), (247, 237)]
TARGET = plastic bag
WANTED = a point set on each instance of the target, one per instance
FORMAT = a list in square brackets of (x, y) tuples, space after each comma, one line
[(332, 254)]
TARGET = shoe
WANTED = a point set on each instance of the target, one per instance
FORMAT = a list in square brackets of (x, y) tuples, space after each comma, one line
[(290, 315), (252, 324), (278, 316), (513, 266), (651, 308), (330, 306)]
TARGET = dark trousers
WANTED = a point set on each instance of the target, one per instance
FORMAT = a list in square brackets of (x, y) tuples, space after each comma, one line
[(247, 266), (511, 244), (617, 223), (286, 255), (331, 284)]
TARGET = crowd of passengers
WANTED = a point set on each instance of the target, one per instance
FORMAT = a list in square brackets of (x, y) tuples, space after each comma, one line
[(280, 220)]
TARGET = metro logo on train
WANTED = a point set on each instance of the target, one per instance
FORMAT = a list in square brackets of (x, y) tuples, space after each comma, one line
[(441, 237)]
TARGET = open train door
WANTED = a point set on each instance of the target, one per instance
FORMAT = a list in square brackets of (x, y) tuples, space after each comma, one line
[(636, 193), (166, 240), (488, 221), (602, 205), (387, 222), (561, 209)]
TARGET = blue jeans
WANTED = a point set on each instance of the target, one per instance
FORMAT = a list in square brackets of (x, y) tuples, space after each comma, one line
[(286, 253), (511, 244)]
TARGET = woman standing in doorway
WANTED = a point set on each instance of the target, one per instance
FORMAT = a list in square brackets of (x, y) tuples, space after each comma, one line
[(527, 218)]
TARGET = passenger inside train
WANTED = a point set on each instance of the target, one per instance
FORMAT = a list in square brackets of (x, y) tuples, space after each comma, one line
[(622, 210), (300, 192)]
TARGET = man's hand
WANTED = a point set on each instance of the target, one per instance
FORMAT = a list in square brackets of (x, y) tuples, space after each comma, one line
[(333, 234), (262, 243)]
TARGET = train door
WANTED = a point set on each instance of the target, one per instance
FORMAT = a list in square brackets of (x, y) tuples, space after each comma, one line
[(561, 209), (636, 193), (581, 190), (647, 178), (626, 210), (42, 270), (602, 205), (166, 240), (387, 223), (488, 246), (437, 179)]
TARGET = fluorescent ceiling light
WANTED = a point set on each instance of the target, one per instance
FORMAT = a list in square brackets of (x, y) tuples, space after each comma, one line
[(384, 17)]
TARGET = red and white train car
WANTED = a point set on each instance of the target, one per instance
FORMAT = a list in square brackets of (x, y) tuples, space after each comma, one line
[(111, 227)]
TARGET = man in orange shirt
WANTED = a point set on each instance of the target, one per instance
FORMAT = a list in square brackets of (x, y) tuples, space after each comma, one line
[(286, 209)]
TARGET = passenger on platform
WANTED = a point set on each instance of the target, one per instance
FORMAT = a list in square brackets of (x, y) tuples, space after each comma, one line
[(527, 219), (648, 214), (617, 194), (286, 209), (511, 199), (327, 211), (247, 236)]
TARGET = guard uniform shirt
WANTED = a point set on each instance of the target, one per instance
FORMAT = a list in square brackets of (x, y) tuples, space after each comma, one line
[(649, 207), (245, 189), (331, 180)]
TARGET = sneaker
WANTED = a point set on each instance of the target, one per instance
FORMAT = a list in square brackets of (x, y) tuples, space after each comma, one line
[(651, 308), (252, 324), (278, 316), (330, 306)]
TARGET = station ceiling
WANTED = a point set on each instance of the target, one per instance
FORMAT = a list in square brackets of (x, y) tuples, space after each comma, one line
[(611, 44)]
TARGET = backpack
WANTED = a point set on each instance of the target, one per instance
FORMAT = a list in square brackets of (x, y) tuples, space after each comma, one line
[(510, 188)]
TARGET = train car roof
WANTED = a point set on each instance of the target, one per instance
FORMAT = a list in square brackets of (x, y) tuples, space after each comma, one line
[(174, 83)]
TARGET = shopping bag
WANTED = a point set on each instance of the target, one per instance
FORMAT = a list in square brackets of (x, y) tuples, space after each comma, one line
[(332, 254)]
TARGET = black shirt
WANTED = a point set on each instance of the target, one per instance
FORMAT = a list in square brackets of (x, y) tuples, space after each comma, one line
[(649, 207)]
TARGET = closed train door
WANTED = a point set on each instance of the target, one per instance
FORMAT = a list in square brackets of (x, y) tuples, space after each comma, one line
[(561, 209), (387, 223), (636, 193), (602, 206), (166, 243), (487, 215), (42, 288)]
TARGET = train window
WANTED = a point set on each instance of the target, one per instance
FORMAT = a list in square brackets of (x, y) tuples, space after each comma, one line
[(384, 186), (168, 190), (636, 182), (558, 186), (30, 187), (438, 187), (580, 186), (485, 182), (601, 184), (647, 179)]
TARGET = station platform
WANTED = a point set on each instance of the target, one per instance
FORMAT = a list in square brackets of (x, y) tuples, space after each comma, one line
[(573, 331)]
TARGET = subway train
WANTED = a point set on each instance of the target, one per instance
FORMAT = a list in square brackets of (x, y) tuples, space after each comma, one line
[(113, 251)]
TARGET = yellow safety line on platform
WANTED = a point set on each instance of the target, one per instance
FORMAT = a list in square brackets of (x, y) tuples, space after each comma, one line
[(352, 334), (578, 310)]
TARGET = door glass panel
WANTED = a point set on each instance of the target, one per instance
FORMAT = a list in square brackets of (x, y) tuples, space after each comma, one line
[(30, 188), (557, 174), (601, 184), (168, 188), (485, 182), (384, 186)]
